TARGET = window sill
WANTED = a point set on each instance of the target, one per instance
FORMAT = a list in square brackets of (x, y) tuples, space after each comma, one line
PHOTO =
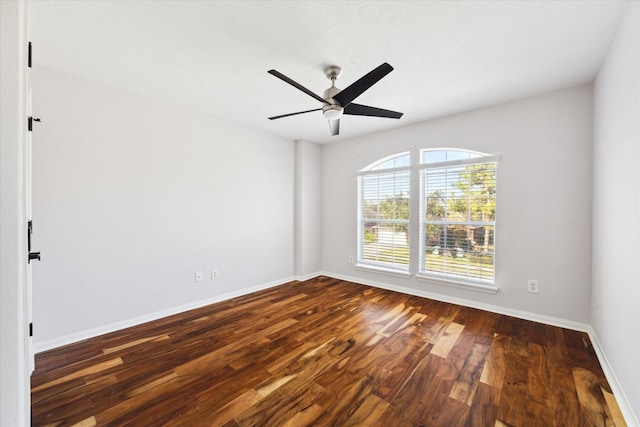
[(479, 287), (388, 271)]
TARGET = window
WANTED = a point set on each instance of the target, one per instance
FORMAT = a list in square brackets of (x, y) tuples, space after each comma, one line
[(453, 224), (457, 215), (383, 214)]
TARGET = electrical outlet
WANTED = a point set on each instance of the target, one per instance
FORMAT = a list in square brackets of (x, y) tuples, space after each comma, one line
[(350, 259), (199, 276), (214, 274), (533, 286)]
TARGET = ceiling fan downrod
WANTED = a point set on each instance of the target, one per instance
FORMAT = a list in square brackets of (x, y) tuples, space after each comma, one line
[(333, 110)]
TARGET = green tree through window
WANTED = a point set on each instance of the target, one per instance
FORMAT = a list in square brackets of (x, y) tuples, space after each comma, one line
[(458, 205), (383, 214), (456, 218)]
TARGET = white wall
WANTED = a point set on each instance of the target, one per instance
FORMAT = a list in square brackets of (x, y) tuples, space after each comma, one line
[(131, 197), (615, 311), (14, 375), (543, 218), (308, 203)]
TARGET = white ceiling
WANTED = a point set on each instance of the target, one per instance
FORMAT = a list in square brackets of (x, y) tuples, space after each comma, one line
[(213, 56)]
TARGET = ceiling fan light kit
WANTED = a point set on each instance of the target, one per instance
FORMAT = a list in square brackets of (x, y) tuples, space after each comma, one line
[(332, 111), (337, 102)]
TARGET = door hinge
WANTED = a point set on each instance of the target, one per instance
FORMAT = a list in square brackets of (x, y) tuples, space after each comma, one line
[(32, 255), (29, 55), (31, 329), (29, 231), (30, 123)]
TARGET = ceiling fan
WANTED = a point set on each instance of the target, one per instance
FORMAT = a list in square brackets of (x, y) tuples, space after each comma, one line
[(338, 102)]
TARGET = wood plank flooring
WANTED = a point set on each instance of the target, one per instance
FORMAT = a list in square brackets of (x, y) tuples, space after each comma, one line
[(326, 352)]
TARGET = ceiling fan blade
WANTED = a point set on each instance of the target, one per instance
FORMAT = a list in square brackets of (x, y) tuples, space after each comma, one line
[(293, 114), (365, 110), (296, 85), (334, 126), (356, 89)]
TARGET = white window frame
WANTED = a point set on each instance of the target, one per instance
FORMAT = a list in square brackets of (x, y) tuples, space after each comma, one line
[(417, 220), (391, 268), (458, 280)]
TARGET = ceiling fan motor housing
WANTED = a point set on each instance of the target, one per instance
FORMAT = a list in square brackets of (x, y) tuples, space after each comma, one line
[(332, 110), (330, 93)]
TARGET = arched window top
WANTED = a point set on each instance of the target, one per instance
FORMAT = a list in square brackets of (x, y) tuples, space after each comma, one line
[(441, 155), (390, 162), (453, 219)]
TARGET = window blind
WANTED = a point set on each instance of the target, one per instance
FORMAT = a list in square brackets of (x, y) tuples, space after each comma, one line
[(383, 219), (457, 219)]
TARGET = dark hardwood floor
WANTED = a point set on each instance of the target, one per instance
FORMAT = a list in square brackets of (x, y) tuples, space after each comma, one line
[(327, 352)]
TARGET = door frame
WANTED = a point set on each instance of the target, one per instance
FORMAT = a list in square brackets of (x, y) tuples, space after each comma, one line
[(15, 388)]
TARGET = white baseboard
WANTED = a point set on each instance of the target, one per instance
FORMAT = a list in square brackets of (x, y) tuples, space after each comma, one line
[(112, 327), (621, 398), (526, 315), (308, 276)]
